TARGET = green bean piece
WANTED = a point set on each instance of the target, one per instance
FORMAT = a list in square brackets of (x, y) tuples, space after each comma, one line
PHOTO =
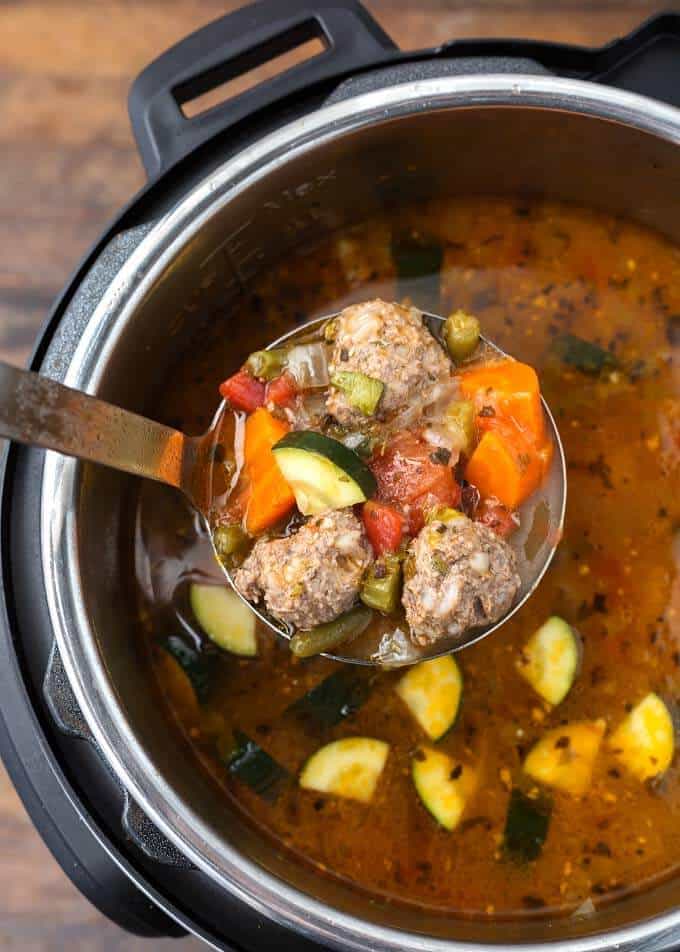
[(228, 540), (266, 364), (459, 419), (461, 333), (306, 644), (382, 585), (363, 392), (330, 330)]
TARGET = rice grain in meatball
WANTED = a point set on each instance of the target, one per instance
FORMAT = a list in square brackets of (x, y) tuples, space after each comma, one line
[(311, 577), (460, 575), (389, 343)]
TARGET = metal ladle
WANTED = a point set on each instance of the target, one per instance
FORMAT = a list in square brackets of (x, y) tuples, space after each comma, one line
[(38, 411)]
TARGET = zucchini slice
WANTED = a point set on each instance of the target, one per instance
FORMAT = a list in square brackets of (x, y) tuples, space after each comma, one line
[(644, 742), (526, 825), (225, 619), (418, 263), (550, 660), (565, 757), (586, 356), (347, 768), (338, 696), (197, 666), (254, 767), (444, 785), (432, 691), (322, 472), (178, 688)]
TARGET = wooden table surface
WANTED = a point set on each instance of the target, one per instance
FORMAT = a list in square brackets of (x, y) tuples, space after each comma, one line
[(67, 163)]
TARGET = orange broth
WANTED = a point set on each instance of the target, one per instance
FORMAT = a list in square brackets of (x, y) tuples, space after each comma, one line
[(531, 272)]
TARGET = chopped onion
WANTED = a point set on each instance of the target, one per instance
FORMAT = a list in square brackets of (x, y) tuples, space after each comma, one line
[(395, 647), (308, 363), (587, 908), (449, 599), (307, 414), (441, 437), (479, 563)]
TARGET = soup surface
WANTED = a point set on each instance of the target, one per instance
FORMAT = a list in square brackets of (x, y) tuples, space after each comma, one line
[(593, 303)]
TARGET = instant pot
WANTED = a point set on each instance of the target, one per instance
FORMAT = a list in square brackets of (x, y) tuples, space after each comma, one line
[(353, 131)]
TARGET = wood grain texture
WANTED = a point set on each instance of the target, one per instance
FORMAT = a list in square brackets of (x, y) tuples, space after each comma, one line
[(67, 163)]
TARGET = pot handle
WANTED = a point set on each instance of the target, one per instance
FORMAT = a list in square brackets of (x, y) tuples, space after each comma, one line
[(66, 714), (230, 47)]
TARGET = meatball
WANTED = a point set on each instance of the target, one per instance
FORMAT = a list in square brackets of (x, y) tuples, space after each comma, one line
[(311, 577), (390, 343), (460, 575)]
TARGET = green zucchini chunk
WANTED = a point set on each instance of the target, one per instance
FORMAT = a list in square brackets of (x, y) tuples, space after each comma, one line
[(225, 618), (254, 767), (432, 691), (550, 660), (338, 696), (418, 263), (444, 785), (349, 768), (564, 758), (582, 354), (644, 743), (197, 666), (322, 472), (526, 826)]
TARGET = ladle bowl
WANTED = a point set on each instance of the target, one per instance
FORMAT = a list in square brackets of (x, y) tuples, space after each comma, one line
[(542, 520), (41, 412)]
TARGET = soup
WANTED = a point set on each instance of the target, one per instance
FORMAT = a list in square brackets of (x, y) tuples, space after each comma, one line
[(541, 804)]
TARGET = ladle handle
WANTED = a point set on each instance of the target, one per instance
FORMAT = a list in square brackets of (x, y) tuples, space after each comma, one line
[(40, 412)]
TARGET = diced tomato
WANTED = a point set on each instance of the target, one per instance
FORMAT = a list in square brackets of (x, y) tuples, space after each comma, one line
[(384, 527), (446, 492), (404, 469), (497, 517), (410, 480), (243, 392), (282, 390)]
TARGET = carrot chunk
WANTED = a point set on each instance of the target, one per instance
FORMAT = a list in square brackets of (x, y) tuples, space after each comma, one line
[(263, 430), (503, 468), (270, 497), (508, 390)]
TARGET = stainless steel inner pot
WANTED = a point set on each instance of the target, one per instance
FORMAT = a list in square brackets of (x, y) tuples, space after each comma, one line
[(493, 134)]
